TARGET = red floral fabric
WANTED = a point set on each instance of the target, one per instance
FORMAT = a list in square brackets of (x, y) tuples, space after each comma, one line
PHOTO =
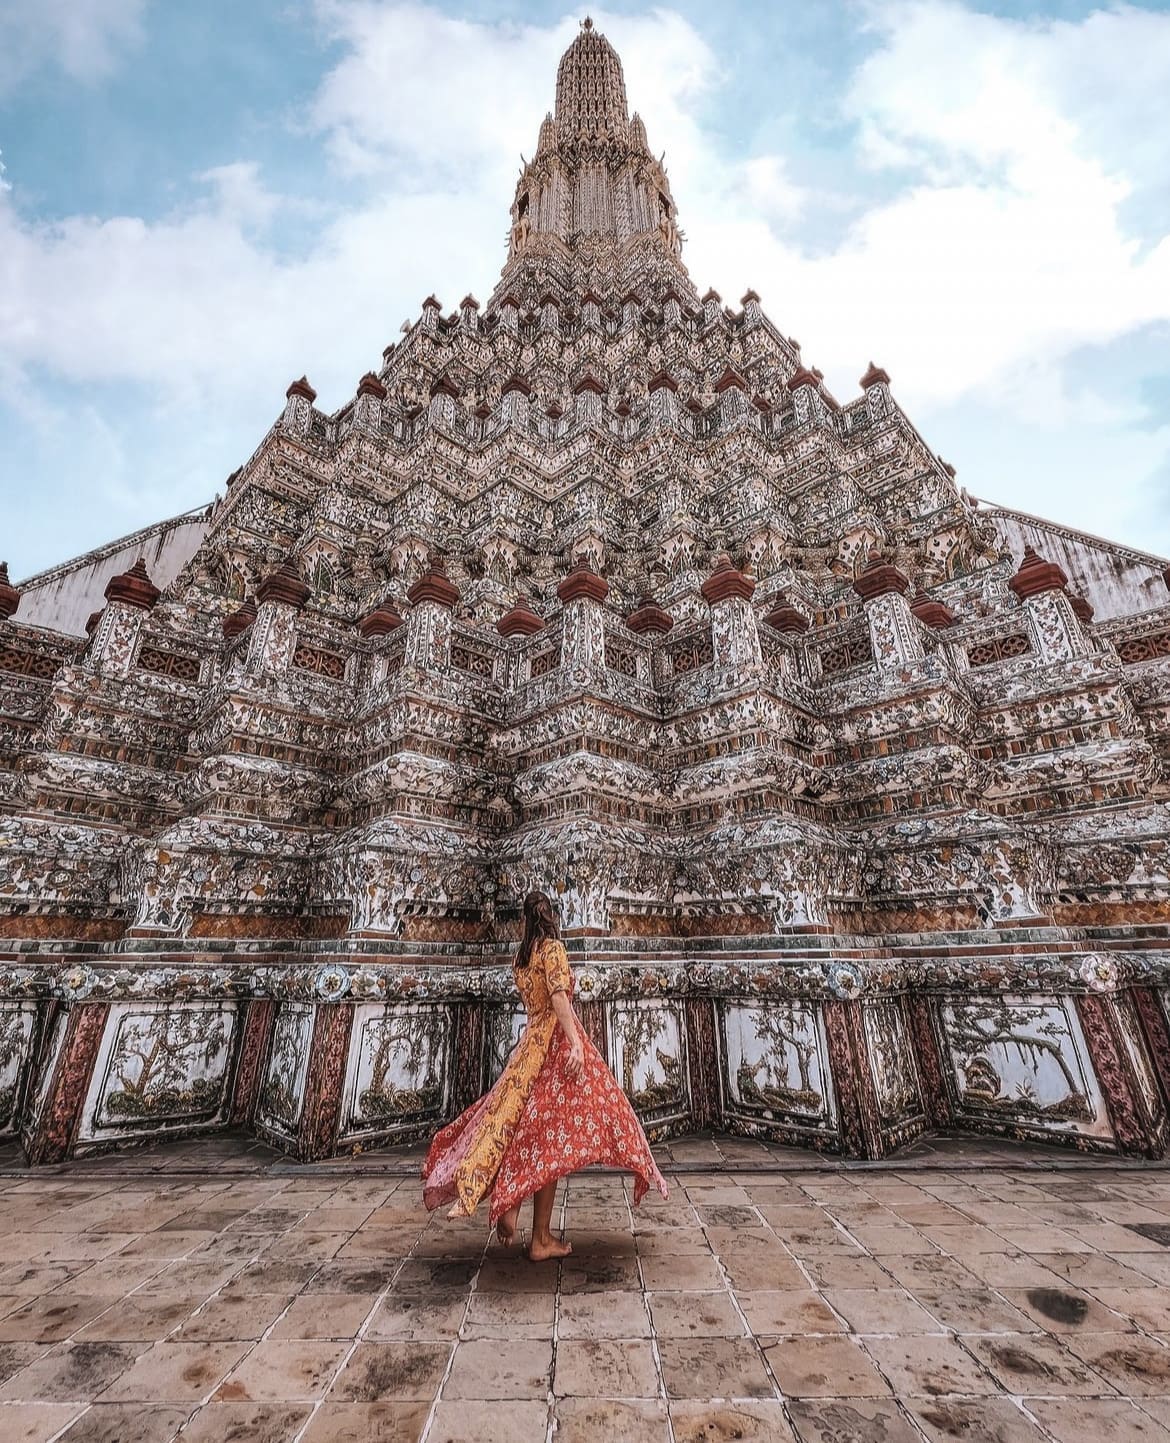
[(536, 1124)]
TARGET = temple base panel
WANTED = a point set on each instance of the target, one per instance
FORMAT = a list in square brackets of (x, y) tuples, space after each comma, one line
[(852, 1058)]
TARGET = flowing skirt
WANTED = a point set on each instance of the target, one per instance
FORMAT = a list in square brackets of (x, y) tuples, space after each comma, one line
[(527, 1132)]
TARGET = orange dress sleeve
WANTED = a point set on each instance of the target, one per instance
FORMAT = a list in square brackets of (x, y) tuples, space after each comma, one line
[(556, 966)]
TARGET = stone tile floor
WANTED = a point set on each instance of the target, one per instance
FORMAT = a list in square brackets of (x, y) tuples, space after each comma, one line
[(213, 1292)]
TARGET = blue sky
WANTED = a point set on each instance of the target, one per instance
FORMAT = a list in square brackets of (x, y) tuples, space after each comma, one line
[(203, 201)]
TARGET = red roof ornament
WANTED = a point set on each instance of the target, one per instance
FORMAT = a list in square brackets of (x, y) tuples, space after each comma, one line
[(802, 376), (583, 581), (591, 298), (930, 611), (91, 621), (369, 385), (379, 622), (9, 596), (726, 581), (785, 618), (435, 586), (241, 619), (712, 295), (283, 585), (589, 382), (874, 376), (301, 388), (1082, 608), (649, 616), (133, 588), (431, 304), (520, 621), (748, 297), (444, 386), (1035, 576), (728, 380), (517, 383), (469, 302), (510, 300), (880, 578), (662, 382)]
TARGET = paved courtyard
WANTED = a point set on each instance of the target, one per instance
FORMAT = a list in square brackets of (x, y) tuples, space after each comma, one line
[(214, 1292)]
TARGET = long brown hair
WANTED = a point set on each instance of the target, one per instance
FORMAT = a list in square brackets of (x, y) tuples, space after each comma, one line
[(540, 920)]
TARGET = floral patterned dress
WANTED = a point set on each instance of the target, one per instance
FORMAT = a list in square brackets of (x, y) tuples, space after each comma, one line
[(537, 1124)]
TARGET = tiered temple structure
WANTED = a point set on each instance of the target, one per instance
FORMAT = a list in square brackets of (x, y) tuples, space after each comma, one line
[(852, 792)]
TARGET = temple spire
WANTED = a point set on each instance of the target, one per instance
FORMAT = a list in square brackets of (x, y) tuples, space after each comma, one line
[(593, 208), (591, 90)]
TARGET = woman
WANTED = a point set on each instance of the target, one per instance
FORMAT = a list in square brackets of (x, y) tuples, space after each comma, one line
[(556, 1108)]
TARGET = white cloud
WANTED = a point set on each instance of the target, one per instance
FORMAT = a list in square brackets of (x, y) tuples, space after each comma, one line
[(1003, 240), (86, 38), (1011, 152)]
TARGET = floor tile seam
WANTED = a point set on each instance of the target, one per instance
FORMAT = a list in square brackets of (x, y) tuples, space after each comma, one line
[(1021, 1401), (60, 1433), (655, 1351), (750, 1332), (1061, 1347), (358, 1337), (550, 1422), (472, 1288)]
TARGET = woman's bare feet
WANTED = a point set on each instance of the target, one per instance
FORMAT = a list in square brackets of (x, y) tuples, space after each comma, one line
[(456, 1211), (506, 1226), (541, 1250)]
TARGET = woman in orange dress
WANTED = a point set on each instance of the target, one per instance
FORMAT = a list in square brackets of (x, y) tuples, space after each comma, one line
[(556, 1108)]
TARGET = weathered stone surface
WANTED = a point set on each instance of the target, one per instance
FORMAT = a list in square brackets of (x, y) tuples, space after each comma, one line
[(876, 866)]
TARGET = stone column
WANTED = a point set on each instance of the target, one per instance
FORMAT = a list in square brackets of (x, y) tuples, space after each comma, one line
[(325, 1081), (583, 593), (509, 314), (258, 1016), (514, 401), (792, 625), (1135, 1130), (587, 394), (1056, 629), (62, 1091), (375, 624), (807, 400), (129, 597), (521, 620), (367, 409), (731, 389), (428, 624), (9, 596), (432, 309), (444, 396), (894, 636), (876, 385), (298, 408), (273, 635), (735, 638), (663, 401)]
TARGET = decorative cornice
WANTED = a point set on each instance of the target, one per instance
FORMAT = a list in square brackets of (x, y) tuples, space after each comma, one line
[(283, 585), (880, 578), (1034, 576), (648, 616), (726, 581), (521, 620), (434, 586), (133, 588), (583, 581)]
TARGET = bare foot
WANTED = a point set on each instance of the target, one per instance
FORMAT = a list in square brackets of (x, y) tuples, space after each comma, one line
[(506, 1226), (456, 1211), (543, 1252)]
